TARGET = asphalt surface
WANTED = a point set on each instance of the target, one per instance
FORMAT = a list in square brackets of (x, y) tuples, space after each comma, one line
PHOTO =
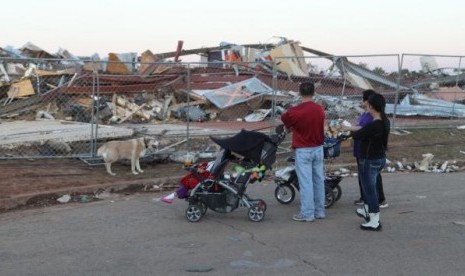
[(423, 234)]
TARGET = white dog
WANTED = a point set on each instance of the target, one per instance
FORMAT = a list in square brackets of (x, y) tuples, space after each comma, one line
[(133, 149)]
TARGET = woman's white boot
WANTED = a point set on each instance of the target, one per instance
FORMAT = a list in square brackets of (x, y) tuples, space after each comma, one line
[(363, 212), (374, 224)]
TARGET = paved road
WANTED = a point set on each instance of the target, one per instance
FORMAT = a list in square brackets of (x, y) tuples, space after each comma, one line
[(423, 234)]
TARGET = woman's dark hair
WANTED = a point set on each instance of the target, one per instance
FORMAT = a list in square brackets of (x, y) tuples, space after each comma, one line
[(367, 93), (378, 103)]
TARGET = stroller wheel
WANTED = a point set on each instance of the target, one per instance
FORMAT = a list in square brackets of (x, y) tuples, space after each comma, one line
[(194, 213), (337, 192), (260, 203), (329, 197), (256, 212), (284, 193)]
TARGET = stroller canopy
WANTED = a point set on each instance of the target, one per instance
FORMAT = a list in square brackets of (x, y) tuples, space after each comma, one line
[(249, 144)]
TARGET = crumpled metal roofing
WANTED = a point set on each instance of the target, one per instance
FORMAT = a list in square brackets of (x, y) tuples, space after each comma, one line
[(418, 104)]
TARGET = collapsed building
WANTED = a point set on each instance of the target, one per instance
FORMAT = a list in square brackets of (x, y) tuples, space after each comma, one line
[(227, 77)]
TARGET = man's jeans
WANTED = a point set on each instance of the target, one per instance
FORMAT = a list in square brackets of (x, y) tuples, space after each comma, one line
[(310, 171), (369, 170)]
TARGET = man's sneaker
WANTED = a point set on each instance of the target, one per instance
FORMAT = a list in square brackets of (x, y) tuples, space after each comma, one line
[(300, 218), (383, 204), (358, 202)]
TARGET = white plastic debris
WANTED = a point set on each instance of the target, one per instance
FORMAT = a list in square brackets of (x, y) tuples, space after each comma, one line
[(64, 199), (425, 163), (344, 170), (103, 195), (257, 115), (346, 123), (444, 166), (44, 115)]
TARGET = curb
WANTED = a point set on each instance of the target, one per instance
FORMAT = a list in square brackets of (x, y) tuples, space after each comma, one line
[(15, 202)]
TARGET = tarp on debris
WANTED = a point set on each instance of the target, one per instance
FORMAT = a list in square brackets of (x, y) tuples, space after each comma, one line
[(237, 93)]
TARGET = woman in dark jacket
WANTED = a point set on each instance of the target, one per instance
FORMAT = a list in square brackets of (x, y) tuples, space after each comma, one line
[(373, 146)]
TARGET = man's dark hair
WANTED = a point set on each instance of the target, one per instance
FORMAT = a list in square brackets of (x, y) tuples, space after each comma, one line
[(307, 88), (367, 93)]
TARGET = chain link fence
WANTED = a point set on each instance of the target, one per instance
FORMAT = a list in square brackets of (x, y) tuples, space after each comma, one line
[(437, 86), (67, 108)]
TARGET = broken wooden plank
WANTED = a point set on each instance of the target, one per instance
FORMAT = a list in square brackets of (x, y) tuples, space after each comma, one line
[(147, 60), (20, 89), (193, 96), (197, 102), (132, 113), (121, 101), (178, 51), (115, 66), (113, 101)]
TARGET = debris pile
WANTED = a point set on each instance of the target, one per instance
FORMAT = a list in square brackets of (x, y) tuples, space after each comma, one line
[(231, 82)]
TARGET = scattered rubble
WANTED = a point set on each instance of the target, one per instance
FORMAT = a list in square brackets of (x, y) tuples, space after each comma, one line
[(426, 165)]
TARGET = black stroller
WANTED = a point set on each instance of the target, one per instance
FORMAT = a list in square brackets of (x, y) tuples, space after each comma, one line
[(287, 182), (253, 153)]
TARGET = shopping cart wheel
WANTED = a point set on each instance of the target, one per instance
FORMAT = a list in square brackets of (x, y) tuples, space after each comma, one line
[(256, 212), (284, 193), (329, 197), (337, 192), (194, 213)]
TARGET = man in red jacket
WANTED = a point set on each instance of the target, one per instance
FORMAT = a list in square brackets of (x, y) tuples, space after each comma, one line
[(306, 122)]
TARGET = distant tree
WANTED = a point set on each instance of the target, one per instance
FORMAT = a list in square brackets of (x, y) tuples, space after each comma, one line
[(414, 74), (379, 71), (363, 64)]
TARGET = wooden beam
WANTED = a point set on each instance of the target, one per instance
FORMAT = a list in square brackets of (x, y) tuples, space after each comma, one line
[(132, 113)]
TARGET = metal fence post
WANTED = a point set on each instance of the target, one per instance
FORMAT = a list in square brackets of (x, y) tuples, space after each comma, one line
[(95, 113), (275, 92), (188, 107), (396, 98)]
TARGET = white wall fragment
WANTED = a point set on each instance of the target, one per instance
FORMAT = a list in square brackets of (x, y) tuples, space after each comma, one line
[(64, 199)]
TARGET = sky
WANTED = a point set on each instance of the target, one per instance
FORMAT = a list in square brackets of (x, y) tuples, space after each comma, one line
[(356, 27)]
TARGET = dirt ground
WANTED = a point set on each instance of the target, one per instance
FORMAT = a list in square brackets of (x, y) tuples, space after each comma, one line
[(36, 183)]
